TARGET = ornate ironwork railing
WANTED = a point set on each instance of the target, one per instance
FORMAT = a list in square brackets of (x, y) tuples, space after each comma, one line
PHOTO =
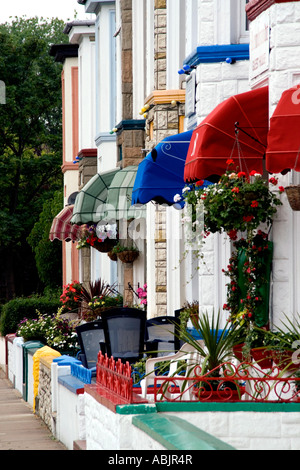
[(230, 382), (115, 377)]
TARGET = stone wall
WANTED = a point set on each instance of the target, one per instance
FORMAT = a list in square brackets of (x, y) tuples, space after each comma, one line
[(160, 44), (164, 118), (44, 399)]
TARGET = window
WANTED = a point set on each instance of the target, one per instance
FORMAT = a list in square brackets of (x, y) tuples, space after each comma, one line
[(243, 22)]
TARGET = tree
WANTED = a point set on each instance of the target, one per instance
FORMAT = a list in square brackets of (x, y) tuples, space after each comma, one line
[(47, 254), (30, 141)]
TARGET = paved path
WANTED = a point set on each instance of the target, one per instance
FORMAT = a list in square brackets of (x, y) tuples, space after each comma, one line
[(20, 428)]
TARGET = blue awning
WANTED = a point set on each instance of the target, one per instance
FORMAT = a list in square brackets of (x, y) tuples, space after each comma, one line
[(160, 175)]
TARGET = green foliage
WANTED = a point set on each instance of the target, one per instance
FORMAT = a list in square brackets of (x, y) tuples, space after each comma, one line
[(235, 203), (121, 248), (249, 276), (52, 330), (25, 307), (30, 132), (48, 255), (218, 342)]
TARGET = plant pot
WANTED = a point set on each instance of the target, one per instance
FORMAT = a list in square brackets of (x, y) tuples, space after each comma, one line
[(112, 256), (128, 256), (238, 352), (263, 357), (106, 246), (293, 195), (283, 360)]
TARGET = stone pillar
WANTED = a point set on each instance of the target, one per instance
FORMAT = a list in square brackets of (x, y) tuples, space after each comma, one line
[(86, 170), (126, 57), (160, 44), (87, 166), (164, 118), (130, 132)]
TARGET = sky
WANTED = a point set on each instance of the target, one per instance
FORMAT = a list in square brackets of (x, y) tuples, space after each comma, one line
[(62, 9)]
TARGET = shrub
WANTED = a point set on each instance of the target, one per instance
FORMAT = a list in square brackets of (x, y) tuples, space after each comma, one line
[(52, 330), (25, 307)]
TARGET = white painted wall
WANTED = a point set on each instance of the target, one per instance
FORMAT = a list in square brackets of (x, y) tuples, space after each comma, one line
[(84, 35), (283, 72), (218, 22)]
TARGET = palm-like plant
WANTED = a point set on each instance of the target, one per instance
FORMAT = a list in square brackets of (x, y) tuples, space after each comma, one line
[(218, 342), (97, 288)]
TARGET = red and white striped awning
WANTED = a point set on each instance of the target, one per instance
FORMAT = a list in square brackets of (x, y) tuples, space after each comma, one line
[(61, 227)]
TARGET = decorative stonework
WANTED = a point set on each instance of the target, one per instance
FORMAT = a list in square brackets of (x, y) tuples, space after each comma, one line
[(87, 166), (126, 58), (160, 44), (130, 141)]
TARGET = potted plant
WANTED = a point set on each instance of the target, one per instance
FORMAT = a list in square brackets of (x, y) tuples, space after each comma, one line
[(217, 353), (102, 238), (96, 297), (256, 347), (126, 254), (284, 343), (239, 204), (236, 203), (112, 256), (70, 297), (190, 311)]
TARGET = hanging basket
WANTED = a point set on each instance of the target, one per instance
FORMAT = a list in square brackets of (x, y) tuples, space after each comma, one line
[(105, 246), (293, 195), (128, 256), (112, 256)]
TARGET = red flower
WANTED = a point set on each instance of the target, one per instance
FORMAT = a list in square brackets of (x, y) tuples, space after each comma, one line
[(200, 183), (281, 189), (232, 234), (248, 218), (254, 172), (273, 180), (235, 190), (254, 204), (229, 161), (241, 174)]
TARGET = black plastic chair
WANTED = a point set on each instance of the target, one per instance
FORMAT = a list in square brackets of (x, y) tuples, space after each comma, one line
[(90, 338), (161, 335), (124, 330)]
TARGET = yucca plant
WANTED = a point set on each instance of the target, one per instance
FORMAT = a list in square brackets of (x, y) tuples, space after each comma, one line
[(218, 342)]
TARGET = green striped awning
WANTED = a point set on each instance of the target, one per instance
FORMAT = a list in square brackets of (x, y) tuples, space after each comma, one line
[(90, 202), (119, 195)]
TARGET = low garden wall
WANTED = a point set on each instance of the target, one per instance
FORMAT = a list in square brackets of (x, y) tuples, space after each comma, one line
[(81, 417)]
